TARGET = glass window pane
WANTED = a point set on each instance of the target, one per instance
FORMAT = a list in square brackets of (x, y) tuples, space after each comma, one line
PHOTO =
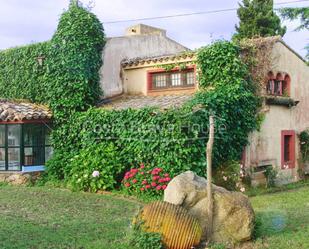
[(14, 158), (33, 156), (190, 78), (176, 79), (14, 135), (47, 135), (2, 159), (29, 156), (48, 153), (2, 135), (33, 135), (159, 80)]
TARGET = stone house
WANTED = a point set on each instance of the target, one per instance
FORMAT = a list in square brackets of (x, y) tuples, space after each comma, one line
[(155, 79)]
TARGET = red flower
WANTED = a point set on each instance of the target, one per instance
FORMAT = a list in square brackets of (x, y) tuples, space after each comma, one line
[(167, 179), (153, 184), (126, 177), (161, 180), (127, 184), (134, 181), (147, 186), (158, 187), (164, 187), (166, 175), (142, 166), (142, 173), (154, 178), (144, 182), (142, 189)]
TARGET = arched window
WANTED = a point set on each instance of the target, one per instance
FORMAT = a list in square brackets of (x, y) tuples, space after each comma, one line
[(278, 85)]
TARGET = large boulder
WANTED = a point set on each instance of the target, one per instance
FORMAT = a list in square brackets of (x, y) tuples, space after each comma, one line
[(233, 219)]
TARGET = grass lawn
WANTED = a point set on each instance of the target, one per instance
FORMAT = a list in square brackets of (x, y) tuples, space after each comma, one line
[(283, 218), (41, 217)]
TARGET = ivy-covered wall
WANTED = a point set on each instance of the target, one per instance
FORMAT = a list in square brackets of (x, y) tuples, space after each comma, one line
[(175, 139), (68, 80)]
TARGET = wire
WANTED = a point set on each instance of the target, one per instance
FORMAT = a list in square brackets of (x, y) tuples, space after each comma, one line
[(190, 14)]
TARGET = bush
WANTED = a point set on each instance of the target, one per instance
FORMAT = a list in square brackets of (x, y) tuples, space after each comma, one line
[(57, 168), (144, 240), (95, 167), (145, 181), (229, 175)]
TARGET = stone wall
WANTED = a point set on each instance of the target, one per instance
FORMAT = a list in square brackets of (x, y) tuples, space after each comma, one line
[(19, 178)]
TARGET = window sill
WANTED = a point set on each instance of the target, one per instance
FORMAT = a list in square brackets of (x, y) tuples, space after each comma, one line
[(281, 101)]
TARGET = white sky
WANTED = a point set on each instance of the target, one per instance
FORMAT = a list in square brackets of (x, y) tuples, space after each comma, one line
[(27, 21)]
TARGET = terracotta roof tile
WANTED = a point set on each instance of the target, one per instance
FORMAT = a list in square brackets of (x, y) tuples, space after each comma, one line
[(19, 111), (141, 61), (138, 102)]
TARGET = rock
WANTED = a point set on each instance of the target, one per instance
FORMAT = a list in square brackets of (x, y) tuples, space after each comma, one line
[(18, 179), (233, 219)]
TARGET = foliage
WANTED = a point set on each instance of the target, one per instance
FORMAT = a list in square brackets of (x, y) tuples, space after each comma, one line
[(144, 135), (257, 18), (68, 79), (297, 13), (145, 181), (229, 175), (271, 174), (228, 92), (75, 62), (19, 69), (304, 145), (95, 167), (145, 240), (302, 14), (54, 167)]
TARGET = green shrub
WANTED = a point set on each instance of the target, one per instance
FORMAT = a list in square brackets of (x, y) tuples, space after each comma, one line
[(57, 168), (94, 168), (271, 175), (144, 240), (228, 175)]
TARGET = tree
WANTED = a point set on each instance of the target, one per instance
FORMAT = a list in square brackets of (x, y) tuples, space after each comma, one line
[(257, 18), (302, 14)]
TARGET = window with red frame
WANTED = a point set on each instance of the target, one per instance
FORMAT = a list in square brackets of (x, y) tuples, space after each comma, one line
[(172, 79), (278, 85), (288, 149)]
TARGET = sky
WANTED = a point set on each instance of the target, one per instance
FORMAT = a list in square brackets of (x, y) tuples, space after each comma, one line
[(27, 21)]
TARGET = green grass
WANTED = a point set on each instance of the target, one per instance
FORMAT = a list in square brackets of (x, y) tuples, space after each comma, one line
[(42, 217), (283, 219)]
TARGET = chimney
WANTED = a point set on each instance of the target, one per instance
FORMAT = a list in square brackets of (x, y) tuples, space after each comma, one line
[(142, 29)]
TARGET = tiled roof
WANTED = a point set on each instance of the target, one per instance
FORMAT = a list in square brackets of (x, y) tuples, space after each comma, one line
[(157, 59), (137, 102), (21, 110)]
